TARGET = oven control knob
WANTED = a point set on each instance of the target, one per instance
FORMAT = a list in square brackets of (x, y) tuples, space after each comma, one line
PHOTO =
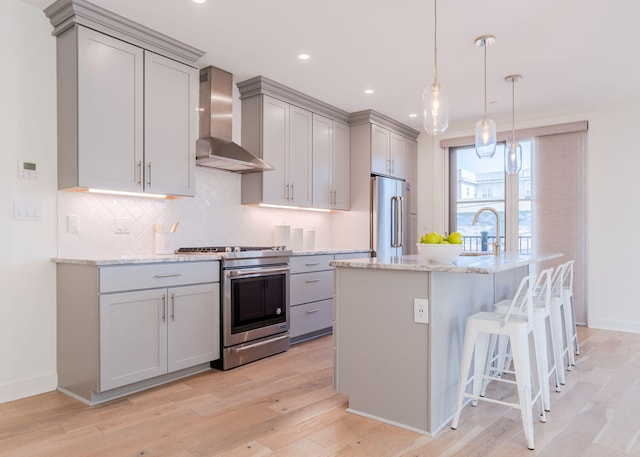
[(236, 249), (278, 311), (227, 249)]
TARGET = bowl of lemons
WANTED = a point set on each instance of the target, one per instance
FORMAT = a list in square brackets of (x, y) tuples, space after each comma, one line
[(438, 248)]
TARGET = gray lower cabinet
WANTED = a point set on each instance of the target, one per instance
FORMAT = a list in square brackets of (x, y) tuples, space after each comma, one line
[(125, 328), (311, 296)]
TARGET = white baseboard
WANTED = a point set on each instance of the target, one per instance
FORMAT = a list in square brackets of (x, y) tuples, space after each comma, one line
[(27, 387)]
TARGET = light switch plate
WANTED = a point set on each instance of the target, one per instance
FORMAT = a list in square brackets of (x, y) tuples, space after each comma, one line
[(122, 225)]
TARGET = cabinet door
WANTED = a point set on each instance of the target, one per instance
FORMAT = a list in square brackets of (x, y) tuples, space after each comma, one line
[(379, 150), (171, 126), (396, 156), (300, 146), (275, 144), (341, 164), (322, 163), (133, 337), (110, 112), (193, 314), (411, 159)]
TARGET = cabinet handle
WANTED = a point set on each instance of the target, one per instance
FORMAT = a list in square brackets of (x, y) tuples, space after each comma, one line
[(140, 172), (149, 174), (173, 307), (393, 165), (164, 307), (312, 280), (168, 275), (286, 191), (311, 264), (311, 311), (292, 192)]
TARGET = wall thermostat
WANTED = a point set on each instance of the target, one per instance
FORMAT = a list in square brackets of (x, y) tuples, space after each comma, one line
[(28, 169)]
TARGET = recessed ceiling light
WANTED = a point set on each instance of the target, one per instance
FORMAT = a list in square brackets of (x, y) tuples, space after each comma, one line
[(199, 1), (303, 56), (413, 115), (368, 91)]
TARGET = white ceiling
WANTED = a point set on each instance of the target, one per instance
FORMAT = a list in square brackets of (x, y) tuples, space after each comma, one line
[(573, 54)]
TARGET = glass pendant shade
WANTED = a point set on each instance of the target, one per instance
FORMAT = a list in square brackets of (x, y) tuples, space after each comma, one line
[(513, 158), (486, 138), (435, 109)]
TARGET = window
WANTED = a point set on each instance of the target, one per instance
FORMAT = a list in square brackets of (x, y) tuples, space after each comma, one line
[(475, 184)]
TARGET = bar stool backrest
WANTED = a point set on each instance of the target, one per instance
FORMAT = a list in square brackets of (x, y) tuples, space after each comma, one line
[(556, 280), (567, 276), (522, 301), (542, 290)]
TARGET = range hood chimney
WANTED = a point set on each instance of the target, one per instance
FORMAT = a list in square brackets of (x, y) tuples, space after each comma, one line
[(214, 147)]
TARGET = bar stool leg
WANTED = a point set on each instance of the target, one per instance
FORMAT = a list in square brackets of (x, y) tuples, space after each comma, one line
[(465, 365), (558, 335), (520, 353)]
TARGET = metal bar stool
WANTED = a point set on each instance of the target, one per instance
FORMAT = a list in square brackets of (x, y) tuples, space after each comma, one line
[(570, 312), (558, 325), (517, 324), (501, 355)]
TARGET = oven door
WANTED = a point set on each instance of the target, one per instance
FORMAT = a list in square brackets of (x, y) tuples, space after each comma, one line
[(256, 303)]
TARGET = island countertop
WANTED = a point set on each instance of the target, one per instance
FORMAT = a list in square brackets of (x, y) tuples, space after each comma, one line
[(483, 264)]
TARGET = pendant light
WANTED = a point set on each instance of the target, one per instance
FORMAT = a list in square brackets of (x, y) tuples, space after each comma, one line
[(434, 98), (485, 128), (513, 152)]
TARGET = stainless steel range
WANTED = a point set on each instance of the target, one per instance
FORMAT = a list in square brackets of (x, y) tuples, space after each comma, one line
[(254, 302)]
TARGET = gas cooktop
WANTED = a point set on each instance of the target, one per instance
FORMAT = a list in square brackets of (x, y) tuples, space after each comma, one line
[(238, 251)]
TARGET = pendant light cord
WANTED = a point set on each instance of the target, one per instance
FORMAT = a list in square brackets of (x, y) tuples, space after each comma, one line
[(485, 80), (513, 110), (435, 41)]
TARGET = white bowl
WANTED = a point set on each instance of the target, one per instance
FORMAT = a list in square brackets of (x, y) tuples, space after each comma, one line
[(440, 253)]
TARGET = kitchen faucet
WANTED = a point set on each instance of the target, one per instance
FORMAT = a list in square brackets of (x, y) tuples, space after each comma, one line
[(496, 245)]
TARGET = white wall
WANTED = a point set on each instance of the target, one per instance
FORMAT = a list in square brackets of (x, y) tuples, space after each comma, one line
[(27, 131), (613, 166)]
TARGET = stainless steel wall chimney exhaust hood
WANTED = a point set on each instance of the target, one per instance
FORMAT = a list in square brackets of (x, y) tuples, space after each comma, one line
[(214, 148)]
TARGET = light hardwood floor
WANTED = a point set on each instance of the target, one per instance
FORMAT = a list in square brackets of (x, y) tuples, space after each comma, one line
[(285, 406)]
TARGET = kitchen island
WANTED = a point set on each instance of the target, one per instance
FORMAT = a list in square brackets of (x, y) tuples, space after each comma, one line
[(397, 370)]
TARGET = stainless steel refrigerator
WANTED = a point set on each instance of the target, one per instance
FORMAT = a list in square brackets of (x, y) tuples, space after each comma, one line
[(389, 216)]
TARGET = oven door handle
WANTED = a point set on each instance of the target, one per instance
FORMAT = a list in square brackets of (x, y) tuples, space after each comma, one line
[(259, 343), (257, 271)]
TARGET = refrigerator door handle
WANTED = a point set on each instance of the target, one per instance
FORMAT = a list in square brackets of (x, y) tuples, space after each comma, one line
[(396, 221), (400, 222)]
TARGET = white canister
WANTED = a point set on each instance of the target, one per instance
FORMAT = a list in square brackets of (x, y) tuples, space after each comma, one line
[(165, 243), (282, 235), (309, 240), (296, 239)]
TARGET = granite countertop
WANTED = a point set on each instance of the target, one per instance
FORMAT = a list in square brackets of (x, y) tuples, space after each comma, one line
[(484, 264), (151, 258)]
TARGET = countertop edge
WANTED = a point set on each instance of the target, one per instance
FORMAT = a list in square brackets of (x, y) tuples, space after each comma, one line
[(168, 258), (478, 265)]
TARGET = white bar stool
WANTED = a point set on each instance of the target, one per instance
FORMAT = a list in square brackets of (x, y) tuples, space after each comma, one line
[(501, 361), (519, 329), (570, 312), (558, 326)]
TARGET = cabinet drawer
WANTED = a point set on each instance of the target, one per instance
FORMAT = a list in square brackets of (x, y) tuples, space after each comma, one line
[(311, 317), (146, 276), (306, 263), (306, 287)]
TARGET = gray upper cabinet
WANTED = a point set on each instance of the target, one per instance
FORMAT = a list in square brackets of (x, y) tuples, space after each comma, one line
[(127, 100), (305, 140), (331, 163), (285, 131), (387, 152)]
